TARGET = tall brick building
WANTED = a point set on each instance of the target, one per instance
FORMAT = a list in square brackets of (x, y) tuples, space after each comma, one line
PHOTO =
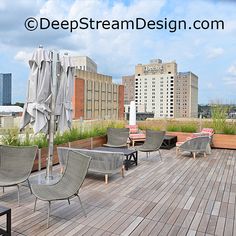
[(96, 97)]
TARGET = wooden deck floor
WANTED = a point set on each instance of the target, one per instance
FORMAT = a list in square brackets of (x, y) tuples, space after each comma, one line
[(178, 196)]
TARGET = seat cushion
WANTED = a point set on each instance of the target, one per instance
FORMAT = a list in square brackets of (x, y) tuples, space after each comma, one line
[(141, 135), (133, 129)]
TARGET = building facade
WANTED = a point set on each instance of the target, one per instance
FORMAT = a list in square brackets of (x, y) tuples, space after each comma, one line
[(160, 89), (84, 63), (5, 88), (154, 87), (186, 95), (128, 82), (97, 97)]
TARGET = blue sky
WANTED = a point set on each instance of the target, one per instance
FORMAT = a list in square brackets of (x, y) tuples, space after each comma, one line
[(210, 54)]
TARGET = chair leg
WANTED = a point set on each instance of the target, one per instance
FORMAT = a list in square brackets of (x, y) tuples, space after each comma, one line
[(177, 151), (3, 190), (49, 208), (18, 194), (35, 204), (123, 171), (160, 154), (81, 205), (147, 154), (68, 201), (106, 178), (194, 155), (29, 186)]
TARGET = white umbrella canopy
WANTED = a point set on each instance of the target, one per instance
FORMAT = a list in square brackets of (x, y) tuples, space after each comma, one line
[(37, 106), (63, 109)]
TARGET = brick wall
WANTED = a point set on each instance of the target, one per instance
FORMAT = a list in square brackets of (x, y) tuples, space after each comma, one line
[(78, 98), (121, 102)]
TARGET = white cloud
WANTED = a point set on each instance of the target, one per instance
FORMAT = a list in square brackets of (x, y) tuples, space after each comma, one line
[(215, 52), (54, 8), (230, 26), (23, 56), (210, 85), (232, 70), (117, 51), (230, 78)]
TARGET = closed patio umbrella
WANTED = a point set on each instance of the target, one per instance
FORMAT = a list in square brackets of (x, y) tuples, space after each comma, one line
[(63, 109), (45, 99), (37, 106)]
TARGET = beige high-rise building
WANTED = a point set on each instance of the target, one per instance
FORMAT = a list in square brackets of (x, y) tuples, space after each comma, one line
[(84, 63), (128, 82), (186, 95), (160, 89), (154, 87)]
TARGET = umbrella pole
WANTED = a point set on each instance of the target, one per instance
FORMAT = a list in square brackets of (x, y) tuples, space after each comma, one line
[(51, 128)]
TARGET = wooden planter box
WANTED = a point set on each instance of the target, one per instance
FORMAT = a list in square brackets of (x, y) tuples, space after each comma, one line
[(88, 143), (181, 136), (226, 141), (44, 155)]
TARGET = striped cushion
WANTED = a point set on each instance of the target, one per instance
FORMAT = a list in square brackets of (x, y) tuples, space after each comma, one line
[(209, 131), (133, 129), (141, 135)]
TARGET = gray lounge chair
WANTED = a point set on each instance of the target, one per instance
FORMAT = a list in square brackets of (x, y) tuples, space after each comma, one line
[(195, 145), (117, 137), (69, 184), (16, 164), (153, 142)]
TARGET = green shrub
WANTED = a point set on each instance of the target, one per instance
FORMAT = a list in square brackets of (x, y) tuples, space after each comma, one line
[(40, 141), (11, 138), (229, 129), (219, 115), (173, 128), (76, 133), (59, 139), (188, 128), (73, 134), (27, 141), (146, 125)]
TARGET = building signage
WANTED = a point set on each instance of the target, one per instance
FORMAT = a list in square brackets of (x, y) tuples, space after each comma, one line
[(154, 69)]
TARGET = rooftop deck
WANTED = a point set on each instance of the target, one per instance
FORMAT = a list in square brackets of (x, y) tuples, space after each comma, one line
[(178, 196)]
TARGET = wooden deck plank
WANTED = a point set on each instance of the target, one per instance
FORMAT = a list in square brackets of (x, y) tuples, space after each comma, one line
[(220, 226), (212, 225), (178, 196)]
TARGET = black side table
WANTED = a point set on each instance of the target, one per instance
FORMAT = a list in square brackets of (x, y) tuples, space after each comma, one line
[(6, 211), (169, 142)]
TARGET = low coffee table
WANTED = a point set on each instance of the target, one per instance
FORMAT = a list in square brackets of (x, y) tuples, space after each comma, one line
[(131, 155), (6, 211), (169, 142)]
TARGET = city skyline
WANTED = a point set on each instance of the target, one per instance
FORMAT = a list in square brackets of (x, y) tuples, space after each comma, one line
[(208, 53)]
